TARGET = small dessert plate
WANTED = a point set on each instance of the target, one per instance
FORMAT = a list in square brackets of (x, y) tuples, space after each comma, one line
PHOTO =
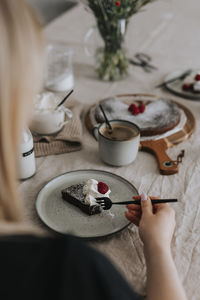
[(65, 218), (176, 86)]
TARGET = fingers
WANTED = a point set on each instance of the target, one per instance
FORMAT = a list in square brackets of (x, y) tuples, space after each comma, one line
[(132, 218), (146, 205), (155, 208), (138, 197), (154, 198), (160, 206), (133, 207), (136, 212)]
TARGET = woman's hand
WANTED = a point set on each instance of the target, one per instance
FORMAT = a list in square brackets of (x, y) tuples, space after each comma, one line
[(156, 227), (156, 222)]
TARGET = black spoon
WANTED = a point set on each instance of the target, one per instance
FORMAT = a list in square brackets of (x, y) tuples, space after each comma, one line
[(106, 119), (67, 96)]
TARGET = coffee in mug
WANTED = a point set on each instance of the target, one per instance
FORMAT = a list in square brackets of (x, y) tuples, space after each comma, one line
[(119, 132), (119, 147)]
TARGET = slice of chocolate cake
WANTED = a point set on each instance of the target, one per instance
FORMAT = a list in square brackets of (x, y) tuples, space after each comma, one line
[(74, 195)]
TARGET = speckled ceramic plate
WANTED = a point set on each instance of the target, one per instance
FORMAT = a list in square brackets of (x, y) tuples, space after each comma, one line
[(176, 86), (65, 218)]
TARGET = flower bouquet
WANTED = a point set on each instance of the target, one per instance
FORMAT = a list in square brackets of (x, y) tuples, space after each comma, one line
[(112, 19)]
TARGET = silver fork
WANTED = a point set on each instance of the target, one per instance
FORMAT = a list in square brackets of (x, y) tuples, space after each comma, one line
[(106, 203), (180, 77)]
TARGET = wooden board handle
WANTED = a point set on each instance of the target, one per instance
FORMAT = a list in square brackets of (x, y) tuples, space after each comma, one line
[(158, 148)]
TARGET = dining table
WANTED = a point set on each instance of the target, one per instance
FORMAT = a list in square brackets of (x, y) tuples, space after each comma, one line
[(168, 31)]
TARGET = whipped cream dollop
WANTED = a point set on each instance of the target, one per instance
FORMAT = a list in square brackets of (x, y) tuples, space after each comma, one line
[(90, 190), (45, 102), (196, 86), (191, 80)]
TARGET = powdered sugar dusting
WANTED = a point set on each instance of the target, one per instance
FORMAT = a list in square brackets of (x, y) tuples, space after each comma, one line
[(180, 125), (158, 114)]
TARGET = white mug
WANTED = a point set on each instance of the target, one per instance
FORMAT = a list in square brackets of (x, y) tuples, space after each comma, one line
[(50, 121), (118, 152)]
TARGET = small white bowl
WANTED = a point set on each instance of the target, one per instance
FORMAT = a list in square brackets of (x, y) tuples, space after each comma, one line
[(46, 118)]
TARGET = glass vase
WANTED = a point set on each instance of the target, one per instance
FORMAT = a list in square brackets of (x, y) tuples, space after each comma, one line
[(111, 60)]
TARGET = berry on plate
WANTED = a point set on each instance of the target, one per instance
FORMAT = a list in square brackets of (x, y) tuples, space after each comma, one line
[(187, 86), (197, 77), (102, 188)]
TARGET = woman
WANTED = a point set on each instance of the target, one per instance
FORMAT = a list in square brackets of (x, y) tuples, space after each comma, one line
[(60, 268)]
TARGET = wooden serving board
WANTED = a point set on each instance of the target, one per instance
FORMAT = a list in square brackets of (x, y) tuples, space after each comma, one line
[(167, 166)]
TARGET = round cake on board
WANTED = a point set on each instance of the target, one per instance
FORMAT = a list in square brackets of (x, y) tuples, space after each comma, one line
[(159, 141), (158, 117)]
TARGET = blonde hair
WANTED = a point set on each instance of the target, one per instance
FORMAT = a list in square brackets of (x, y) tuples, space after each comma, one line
[(21, 67)]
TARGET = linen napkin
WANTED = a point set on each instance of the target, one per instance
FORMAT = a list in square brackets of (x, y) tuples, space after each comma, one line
[(67, 140)]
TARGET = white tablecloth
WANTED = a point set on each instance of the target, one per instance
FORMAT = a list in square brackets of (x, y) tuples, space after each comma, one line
[(169, 32)]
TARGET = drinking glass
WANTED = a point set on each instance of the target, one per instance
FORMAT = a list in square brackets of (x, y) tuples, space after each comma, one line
[(59, 73)]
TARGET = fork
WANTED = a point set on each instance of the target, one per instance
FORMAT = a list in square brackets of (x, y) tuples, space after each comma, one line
[(106, 203), (180, 77)]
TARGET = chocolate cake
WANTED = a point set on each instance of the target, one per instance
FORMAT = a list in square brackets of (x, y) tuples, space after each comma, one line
[(74, 195), (159, 116)]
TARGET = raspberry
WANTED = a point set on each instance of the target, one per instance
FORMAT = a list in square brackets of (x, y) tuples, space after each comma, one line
[(102, 187), (117, 3), (131, 107), (197, 77), (136, 110), (142, 108), (187, 87)]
